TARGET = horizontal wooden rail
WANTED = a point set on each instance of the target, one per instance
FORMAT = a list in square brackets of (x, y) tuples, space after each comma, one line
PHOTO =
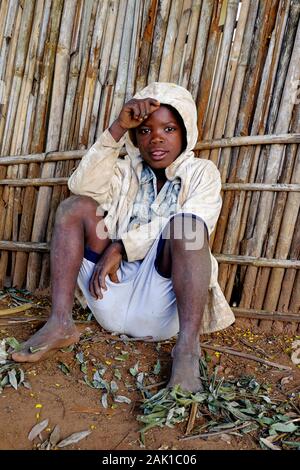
[(258, 262), (204, 145), (225, 186), (221, 258), (264, 315)]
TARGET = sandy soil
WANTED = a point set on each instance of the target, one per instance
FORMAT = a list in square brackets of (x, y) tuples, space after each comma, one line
[(68, 402)]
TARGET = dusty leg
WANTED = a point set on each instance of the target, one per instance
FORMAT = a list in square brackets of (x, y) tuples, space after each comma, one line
[(75, 226), (190, 270)]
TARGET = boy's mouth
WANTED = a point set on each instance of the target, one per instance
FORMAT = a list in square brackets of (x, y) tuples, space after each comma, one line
[(158, 154)]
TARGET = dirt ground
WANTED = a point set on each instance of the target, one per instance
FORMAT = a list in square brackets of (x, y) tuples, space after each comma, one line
[(66, 400)]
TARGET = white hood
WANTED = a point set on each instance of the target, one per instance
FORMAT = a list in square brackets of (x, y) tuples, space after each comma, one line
[(182, 100)]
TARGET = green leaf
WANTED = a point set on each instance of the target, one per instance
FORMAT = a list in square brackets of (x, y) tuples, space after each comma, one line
[(157, 367), (114, 386), (13, 343), (64, 368), (282, 427), (134, 370), (122, 357), (79, 357), (117, 374), (292, 444), (13, 379)]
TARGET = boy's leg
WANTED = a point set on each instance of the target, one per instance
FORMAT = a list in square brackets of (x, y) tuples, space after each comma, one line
[(187, 261), (75, 227)]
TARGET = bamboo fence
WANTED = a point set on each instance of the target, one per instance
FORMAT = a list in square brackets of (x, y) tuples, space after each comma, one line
[(66, 68)]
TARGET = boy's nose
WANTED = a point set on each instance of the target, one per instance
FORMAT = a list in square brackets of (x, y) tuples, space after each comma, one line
[(156, 138)]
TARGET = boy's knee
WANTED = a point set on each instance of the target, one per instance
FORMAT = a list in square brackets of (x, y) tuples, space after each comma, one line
[(188, 229), (75, 207)]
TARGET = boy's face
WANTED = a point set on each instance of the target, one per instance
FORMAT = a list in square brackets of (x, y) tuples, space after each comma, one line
[(160, 138)]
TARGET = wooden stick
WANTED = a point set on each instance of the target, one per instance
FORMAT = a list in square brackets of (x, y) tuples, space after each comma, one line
[(265, 315), (211, 434), (232, 259), (250, 357), (57, 181), (192, 417), (204, 145), (13, 310)]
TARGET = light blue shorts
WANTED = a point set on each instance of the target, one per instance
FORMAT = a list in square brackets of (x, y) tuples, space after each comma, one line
[(143, 303)]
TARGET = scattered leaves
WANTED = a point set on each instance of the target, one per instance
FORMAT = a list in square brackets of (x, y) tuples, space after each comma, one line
[(73, 438), (37, 429)]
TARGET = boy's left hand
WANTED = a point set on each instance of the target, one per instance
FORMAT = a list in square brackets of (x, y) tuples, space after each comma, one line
[(108, 264)]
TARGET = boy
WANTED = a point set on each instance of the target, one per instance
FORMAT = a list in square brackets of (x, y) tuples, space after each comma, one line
[(135, 235)]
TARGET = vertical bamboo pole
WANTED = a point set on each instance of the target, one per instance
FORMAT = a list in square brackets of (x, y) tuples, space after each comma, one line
[(282, 125), (19, 68), (134, 51), (227, 92), (290, 274), (288, 226), (103, 67), (205, 80), (264, 293), (158, 39), (93, 67), (207, 38), (13, 22), (180, 44), (169, 43), (231, 123), (53, 135), (61, 168), (268, 82), (191, 47), (234, 203), (107, 94), (146, 45), (82, 66), (121, 80), (24, 122), (219, 76), (43, 77)]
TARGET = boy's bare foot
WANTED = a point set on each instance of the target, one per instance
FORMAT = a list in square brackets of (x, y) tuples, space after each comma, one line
[(185, 371), (54, 335)]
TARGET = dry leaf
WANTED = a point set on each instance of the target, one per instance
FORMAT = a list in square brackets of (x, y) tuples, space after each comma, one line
[(55, 436), (73, 438), (37, 429), (269, 444), (286, 380)]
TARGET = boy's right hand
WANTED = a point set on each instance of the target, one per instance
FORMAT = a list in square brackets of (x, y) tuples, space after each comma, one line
[(133, 113)]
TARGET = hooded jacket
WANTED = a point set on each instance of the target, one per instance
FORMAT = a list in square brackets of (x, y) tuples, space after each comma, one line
[(114, 182)]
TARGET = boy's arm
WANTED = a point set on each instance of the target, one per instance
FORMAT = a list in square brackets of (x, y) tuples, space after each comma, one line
[(96, 169), (93, 175)]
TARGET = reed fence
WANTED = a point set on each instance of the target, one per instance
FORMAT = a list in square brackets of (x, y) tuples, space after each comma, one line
[(66, 68)]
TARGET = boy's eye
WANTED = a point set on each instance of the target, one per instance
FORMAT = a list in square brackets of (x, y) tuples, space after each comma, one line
[(170, 128), (144, 130)]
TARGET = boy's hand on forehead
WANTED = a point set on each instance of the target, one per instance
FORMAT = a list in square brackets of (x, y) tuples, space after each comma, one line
[(134, 112)]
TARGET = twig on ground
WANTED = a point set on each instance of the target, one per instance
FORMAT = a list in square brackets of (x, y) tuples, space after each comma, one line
[(253, 346), (191, 422), (13, 310), (246, 356), (211, 434), (158, 384)]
